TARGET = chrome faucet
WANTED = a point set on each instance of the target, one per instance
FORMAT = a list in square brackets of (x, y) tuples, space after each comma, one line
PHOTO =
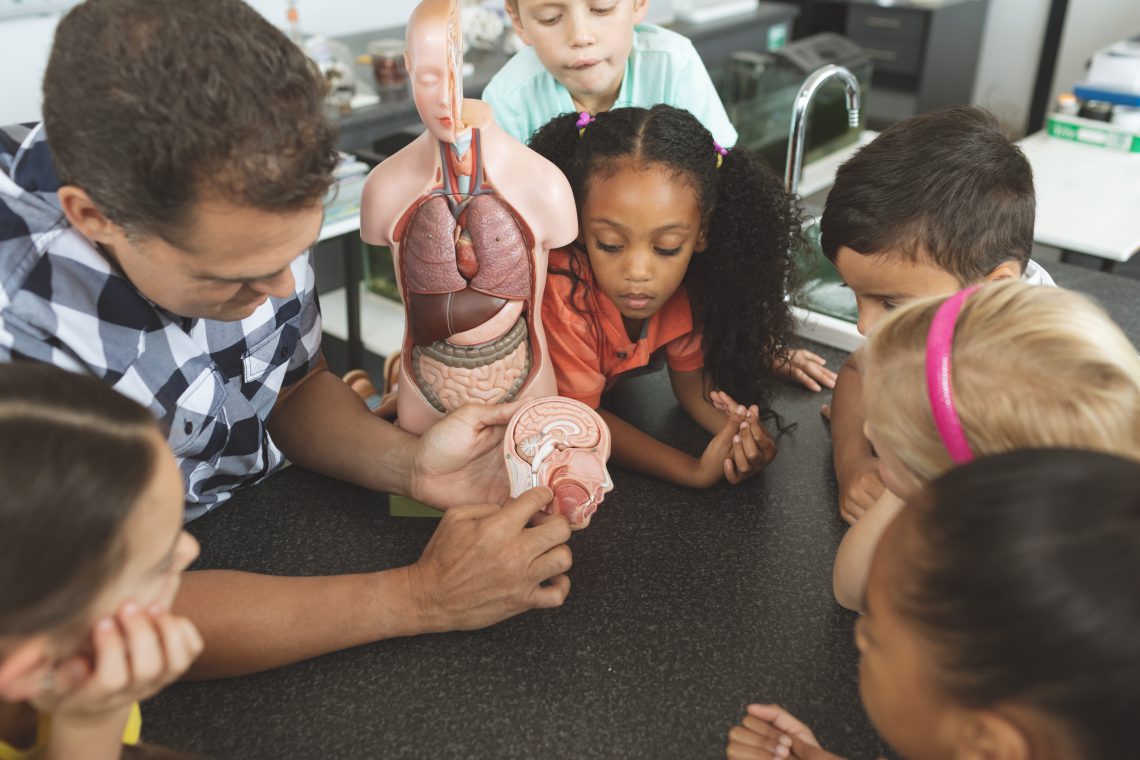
[(796, 134)]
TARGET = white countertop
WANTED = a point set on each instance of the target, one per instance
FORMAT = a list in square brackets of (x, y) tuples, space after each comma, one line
[(1088, 198)]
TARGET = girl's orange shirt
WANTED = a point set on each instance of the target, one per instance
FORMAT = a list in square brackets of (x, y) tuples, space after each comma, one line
[(590, 351)]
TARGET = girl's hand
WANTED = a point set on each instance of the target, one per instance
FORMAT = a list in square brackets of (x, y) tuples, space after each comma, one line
[(752, 448), (137, 653), (737, 452), (807, 369), (770, 732)]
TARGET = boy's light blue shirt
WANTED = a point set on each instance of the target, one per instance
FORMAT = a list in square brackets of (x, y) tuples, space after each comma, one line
[(663, 67)]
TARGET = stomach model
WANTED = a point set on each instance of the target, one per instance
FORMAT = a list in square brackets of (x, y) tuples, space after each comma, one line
[(563, 444), (467, 276)]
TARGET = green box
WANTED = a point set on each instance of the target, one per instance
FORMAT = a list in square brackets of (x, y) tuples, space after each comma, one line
[(1089, 132)]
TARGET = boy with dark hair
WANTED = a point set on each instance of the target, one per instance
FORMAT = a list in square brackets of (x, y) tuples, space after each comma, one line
[(155, 234), (935, 203)]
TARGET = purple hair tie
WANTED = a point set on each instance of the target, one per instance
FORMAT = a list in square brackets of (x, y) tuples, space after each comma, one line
[(720, 151), (939, 341), (584, 120)]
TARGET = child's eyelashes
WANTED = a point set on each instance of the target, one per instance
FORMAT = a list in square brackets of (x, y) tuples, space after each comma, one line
[(606, 247), (616, 248), (604, 11), (549, 21), (668, 251)]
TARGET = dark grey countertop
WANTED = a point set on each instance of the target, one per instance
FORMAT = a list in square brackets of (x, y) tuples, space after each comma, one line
[(685, 606)]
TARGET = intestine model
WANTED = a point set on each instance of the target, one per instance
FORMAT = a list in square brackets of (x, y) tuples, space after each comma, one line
[(563, 444), (470, 215)]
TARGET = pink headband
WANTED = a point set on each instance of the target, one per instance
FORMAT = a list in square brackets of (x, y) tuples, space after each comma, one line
[(938, 343)]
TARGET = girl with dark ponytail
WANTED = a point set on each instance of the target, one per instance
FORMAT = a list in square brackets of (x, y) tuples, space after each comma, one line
[(683, 246)]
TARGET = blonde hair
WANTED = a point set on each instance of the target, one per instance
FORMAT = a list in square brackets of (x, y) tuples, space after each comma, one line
[(1032, 367)]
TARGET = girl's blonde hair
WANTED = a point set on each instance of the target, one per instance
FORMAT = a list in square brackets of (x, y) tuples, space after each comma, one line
[(1031, 367)]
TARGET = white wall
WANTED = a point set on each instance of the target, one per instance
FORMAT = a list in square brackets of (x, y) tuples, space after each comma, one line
[(26, 42), (1089, 26), (1007, 62)]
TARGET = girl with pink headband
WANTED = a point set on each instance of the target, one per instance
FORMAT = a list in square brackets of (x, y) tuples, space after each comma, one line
[(990, 369)]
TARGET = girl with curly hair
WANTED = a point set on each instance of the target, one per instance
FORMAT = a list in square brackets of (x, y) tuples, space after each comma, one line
[(682, 257)]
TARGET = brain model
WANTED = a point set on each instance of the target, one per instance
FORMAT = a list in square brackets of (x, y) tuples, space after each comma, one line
[(563, 444)]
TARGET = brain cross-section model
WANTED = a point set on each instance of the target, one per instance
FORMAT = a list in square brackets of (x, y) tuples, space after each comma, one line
[(563, 444)]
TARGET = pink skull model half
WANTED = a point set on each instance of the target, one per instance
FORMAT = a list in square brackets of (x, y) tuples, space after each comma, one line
[(563, 444)]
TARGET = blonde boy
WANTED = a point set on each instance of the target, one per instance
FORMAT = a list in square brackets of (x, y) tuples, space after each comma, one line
[(594, 55)]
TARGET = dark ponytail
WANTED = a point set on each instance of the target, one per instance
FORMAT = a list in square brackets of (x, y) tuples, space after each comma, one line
[(74, 458), (1024, 580), (737, 285)]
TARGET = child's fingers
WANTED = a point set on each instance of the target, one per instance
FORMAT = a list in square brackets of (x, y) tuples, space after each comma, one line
[(809, 356), (112, 671), (805, 379), (825, 410), (730, 473), (180, 642), (745, 452), (147, 660), (759, 735), (782, 720)]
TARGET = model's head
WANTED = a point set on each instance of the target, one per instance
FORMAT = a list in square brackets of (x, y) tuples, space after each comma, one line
[(936, 202), (584, 44), (434, 58), (1002, 612), (91, 501), (1030, 366), (192, 145)]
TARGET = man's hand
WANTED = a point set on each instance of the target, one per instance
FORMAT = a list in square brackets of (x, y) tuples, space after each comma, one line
[(769, 732), (459, 460), (859, 488), (484, 565)]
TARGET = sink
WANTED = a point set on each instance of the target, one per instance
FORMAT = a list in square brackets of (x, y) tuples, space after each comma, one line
[(823, 306)]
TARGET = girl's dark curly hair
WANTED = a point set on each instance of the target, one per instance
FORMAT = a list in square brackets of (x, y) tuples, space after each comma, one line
[(737, 285)]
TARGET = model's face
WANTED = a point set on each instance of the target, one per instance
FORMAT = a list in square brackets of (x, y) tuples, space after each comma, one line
[(884, 281), (435, 65), (896, 679), (640, 227), (157, 548), (232, 260), (583, 43)]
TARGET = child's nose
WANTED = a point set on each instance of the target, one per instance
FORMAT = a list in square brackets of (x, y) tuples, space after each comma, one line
[(637, 267), (579, 28)]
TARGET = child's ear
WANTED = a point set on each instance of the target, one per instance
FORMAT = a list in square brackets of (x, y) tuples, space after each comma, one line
[(22, 670), (702, 240), (640, 8), (516, 21), (1007, 270), (989, 735)]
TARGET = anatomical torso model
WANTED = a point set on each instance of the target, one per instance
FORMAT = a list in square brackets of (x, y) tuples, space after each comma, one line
[(564, 444), (470, 215)]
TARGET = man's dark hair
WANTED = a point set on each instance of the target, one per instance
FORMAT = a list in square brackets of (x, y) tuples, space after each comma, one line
[(152, 105), (945, 186), (1023, 581)]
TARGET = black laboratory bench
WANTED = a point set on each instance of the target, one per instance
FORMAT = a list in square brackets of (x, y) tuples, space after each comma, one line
[(685, 605)]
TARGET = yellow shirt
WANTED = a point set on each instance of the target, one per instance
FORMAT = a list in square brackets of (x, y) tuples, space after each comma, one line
[(8, 752)]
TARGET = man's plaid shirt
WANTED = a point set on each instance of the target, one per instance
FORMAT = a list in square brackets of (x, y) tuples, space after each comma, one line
[(210, 384)]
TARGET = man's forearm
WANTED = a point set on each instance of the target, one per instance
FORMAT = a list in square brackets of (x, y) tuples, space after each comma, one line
[(323, 426), (255, 622)]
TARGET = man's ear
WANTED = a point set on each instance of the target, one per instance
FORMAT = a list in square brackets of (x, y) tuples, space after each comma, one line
[(516, 21), (85, 216), (1007, 270), (22, 670), (989, 735), (640, 8)]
